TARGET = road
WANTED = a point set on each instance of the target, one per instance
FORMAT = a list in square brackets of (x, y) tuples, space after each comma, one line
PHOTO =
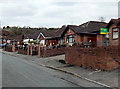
[(17, 72)]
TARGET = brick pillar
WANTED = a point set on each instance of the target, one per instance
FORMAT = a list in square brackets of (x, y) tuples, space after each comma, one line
[(13, 48), (39, 51), (99, 40), (28, 50), (65, 39), (44, 51), (31, 50)]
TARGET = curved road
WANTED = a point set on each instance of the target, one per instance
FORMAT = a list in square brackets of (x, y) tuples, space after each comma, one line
[(17, 72)]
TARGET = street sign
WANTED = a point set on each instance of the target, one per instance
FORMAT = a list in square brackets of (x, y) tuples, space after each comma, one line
[(103, 30)]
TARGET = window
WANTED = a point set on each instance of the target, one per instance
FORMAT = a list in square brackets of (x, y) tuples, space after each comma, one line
[(61, 41), (70, 39), (115, 33)]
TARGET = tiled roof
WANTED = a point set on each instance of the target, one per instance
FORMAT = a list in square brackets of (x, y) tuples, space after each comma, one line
[(53, 33), (15, 38), (3, 32), (88, 27), (114, 21), (34, 35)]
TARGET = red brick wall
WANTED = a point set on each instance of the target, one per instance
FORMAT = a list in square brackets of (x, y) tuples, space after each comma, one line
[(77, 38), (22, 51), (53, 52), (100, 40), (43, 52), (8, 48), (32, 50), (96, 58), (14, 48)]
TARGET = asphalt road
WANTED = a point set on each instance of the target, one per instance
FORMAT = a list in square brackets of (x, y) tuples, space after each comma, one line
[(17, 72)]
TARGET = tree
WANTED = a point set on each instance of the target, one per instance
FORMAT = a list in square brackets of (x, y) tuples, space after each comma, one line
[(7, 27)]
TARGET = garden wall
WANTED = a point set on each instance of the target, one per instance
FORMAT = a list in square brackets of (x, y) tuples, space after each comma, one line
[(32, 50), (53, 52), (42, 52), (10, 48), (22, 51), (102, 58)]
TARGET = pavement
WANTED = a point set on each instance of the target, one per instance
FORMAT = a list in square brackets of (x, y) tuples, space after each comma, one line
[(105, 78)]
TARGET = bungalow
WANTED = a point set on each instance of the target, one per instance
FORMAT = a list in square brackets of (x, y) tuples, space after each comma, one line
[(48, 37), (86, 33), (114, 30)]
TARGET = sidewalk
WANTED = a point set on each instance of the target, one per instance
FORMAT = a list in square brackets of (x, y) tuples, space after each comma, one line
[(106, 78)]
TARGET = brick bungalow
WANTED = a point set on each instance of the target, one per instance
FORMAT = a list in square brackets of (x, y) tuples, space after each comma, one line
[(47, 37), (85, 33), (101, 58), (114, 29)]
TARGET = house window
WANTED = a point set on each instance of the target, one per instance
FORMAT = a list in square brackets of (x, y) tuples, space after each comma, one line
[(61, 41), (70, 39), (115, 33)]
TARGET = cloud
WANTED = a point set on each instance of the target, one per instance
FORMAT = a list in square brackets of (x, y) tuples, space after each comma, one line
[(66, 3), (54, 13)]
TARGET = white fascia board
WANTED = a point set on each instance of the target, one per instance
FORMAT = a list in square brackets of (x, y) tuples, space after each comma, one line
[(40, 34)]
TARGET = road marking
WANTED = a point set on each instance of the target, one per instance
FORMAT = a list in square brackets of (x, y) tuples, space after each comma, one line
[(94, 72)]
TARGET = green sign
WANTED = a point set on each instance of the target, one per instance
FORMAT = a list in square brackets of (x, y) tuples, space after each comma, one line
[(103, 31)]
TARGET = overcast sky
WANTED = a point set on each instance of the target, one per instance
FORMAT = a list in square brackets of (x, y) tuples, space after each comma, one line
[(55, 13)]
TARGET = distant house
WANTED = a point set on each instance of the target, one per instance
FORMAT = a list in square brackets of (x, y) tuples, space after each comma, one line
[(3, 34), (114, 29), (86, 33), (47, 37)]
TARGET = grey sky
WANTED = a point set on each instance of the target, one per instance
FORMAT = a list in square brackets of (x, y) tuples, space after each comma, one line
[(55, 13)]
